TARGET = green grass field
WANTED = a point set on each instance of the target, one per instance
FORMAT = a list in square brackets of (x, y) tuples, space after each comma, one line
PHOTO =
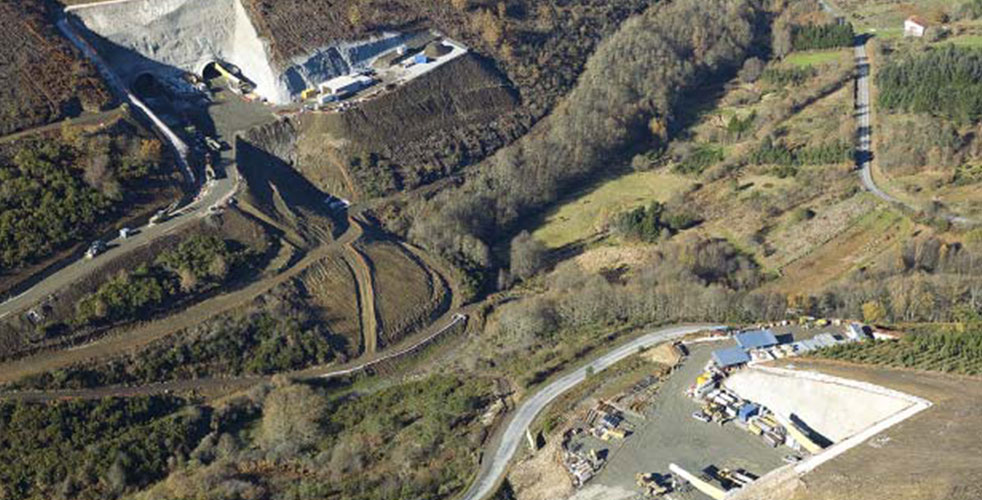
[(582, 216), (814, 57)]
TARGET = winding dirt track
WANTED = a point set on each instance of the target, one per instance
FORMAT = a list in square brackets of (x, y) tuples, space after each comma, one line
[(365, 283), (139, 336)]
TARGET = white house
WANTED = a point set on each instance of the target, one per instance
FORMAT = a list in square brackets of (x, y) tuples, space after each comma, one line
[(914, 26)]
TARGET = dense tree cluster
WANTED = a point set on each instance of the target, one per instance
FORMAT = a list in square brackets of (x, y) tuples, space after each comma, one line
[(627, 93), (772, 152), (56, 192), (89, 450), (822, 36), (654, 222), (928, 280), (911, 145), (951, 352), (198, 263), (789, 76), (411, 440), (693, 159), (943, 81)]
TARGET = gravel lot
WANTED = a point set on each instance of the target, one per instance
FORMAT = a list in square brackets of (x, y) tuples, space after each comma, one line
[(670, 434)]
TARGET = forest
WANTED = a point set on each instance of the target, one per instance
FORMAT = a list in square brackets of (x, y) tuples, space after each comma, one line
[(926, 281), (626, 95), (195, 265), (418, 439), (822, 36), (59, 191), (89, 450), (942, 81)]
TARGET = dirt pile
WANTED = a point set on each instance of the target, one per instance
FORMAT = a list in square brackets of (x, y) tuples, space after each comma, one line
[(266, 157)]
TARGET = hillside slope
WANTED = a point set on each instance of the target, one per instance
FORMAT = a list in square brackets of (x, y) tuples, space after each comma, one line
[(42, 78)]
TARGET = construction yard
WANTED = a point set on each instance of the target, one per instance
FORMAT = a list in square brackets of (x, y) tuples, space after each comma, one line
[(735, 417)]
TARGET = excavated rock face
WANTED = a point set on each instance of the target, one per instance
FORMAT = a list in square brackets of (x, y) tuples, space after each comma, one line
[(162, 36), (167, 37)]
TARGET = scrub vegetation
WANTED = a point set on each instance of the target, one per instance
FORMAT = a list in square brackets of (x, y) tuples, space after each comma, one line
[(59, 191), (42, 77), (89, 450), (950, 352)]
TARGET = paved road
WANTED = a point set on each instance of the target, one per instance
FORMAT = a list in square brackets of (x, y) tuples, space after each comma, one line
[(493, 470), (864, 154)]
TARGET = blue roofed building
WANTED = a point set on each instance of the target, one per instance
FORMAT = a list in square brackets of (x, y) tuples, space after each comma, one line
[(756, 339), (731, 356), (748, 410)]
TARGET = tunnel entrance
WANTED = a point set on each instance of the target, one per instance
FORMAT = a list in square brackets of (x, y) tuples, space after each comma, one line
[(147, 85), (210, 71)]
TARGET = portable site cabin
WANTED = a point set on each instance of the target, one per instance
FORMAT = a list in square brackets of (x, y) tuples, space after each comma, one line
[(345, 85), (747, 411)]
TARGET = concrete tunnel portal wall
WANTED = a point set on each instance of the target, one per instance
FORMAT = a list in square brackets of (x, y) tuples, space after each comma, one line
[(172, 37)]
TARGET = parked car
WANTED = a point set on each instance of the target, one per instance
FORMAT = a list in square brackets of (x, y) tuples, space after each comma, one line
[(702, 417), (791, 459), (126, 232), (96, 248)]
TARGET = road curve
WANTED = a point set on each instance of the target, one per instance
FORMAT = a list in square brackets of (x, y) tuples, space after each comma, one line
[(215, 192), (493, 471), (864, 155)]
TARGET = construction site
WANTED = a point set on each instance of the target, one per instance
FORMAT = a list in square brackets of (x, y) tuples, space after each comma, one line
[(730, 418)]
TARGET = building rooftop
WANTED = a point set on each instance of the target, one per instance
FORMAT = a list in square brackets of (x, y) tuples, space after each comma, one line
[(730, 356), (755, 339)]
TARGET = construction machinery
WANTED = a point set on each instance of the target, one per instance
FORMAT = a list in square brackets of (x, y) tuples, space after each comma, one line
[(651, 485), (710, 489)]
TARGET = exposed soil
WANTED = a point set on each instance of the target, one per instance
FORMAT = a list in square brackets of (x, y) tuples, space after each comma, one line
[(936, 454)]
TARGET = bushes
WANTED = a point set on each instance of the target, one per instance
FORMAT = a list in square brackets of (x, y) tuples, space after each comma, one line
[(773, 153), (281, 335), (941, 81), (822, 36), (652, 223), (89, 450), (198, 263)]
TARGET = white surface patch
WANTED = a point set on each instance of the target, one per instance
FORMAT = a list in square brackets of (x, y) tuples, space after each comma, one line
[(834, 407)]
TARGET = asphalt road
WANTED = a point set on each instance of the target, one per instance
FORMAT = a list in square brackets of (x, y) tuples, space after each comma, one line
[(493, 470), (864, 156)]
